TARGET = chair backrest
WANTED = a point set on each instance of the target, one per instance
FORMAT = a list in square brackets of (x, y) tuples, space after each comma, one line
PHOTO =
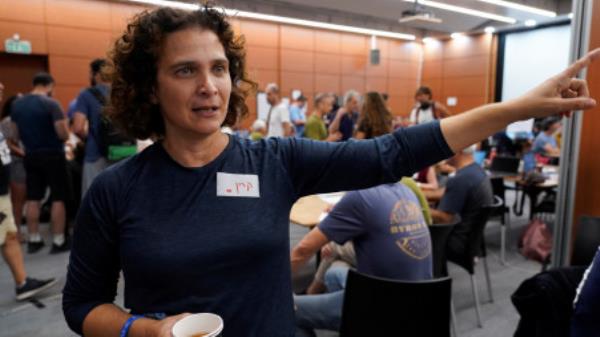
[(382, 307), (587, 241), (475, 246), (505, 164), (439, 237), (498, 187), (499, 191)]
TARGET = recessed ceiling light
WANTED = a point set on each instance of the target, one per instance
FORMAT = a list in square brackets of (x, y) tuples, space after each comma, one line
[(283, 19), (530, 23), (489, 29), (520, 7), (428, 40), (458, 36), (464, 10)]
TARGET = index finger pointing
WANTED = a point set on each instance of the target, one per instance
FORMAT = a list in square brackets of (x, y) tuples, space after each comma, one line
[(583, 62)]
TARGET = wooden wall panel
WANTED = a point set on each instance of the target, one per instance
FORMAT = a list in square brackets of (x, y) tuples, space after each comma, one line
[(404, 69), (464, 86), (34, 33), (297, 80), (355, 65), (460, 68), (378, 84), (260, 33), (328, 42), (22, 10), (432, 69), (433, 51), (401, 86), (70, 70), (296, 60), (469, 46), (79, 13), (468, 66), (587, 191), (327, 83), (65, 94), (327, 64), (354, 45), (251, 103), (78, 42), (264, 77), (353, 83), (405, 50), (400, 105), (384, 47), (262, 57), (381, 69), (297, 38), (465, 103), (121, 14)]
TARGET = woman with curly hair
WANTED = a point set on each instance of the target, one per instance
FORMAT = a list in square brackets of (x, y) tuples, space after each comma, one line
[(199, 221), (375, 119)]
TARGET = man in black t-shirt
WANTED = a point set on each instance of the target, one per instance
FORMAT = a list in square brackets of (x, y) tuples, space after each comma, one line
[(41, 125), (26, 287), (465, 194)]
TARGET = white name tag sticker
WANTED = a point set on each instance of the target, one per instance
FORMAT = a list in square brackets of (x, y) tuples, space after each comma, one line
[(237, 185)]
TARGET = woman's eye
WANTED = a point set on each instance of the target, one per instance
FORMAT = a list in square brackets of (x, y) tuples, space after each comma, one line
[(220, 69), (185, 71)]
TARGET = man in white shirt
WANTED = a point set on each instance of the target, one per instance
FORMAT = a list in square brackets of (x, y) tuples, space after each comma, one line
[(278, 118)]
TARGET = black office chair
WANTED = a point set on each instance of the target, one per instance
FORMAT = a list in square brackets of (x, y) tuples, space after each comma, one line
[(587, 241), (475, 247), (502, 212), (376, 306), (439, 238)]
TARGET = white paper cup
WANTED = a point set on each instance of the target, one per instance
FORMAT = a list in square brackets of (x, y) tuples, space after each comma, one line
[(197, 323)]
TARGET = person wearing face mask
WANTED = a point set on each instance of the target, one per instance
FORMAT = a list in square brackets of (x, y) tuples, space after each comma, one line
[(426, 109)]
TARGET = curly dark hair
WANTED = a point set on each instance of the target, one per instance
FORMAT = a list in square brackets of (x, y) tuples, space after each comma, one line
[(133, 67)]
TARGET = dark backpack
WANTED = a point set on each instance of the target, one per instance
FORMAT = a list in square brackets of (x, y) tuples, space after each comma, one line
[(112, 143)]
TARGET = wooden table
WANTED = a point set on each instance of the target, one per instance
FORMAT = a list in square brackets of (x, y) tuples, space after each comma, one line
[(533, 191), (310, 210)]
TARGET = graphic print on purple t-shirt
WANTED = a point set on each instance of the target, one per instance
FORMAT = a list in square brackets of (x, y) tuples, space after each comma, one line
[(387, 227), (407, 218)]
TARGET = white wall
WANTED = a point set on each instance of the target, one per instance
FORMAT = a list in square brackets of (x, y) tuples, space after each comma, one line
[(531, 57)]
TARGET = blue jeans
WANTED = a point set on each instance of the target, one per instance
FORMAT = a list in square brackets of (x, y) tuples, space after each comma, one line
[(323, 311)]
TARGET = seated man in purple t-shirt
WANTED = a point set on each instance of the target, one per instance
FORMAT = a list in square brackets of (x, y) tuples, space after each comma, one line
[(390, 238)]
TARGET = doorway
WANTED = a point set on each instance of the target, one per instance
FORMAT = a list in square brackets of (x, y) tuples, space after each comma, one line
[(17, 71)]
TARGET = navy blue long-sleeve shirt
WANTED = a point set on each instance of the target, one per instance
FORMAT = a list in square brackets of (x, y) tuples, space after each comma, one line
[(186, 243)]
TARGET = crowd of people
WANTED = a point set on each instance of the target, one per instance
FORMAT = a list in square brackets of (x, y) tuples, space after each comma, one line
[(199, 220)]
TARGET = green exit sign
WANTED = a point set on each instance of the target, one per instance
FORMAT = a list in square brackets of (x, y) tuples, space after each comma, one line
[(17, 46)]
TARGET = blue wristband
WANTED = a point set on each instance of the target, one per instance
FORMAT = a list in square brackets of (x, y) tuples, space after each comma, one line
[(127, 325)]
